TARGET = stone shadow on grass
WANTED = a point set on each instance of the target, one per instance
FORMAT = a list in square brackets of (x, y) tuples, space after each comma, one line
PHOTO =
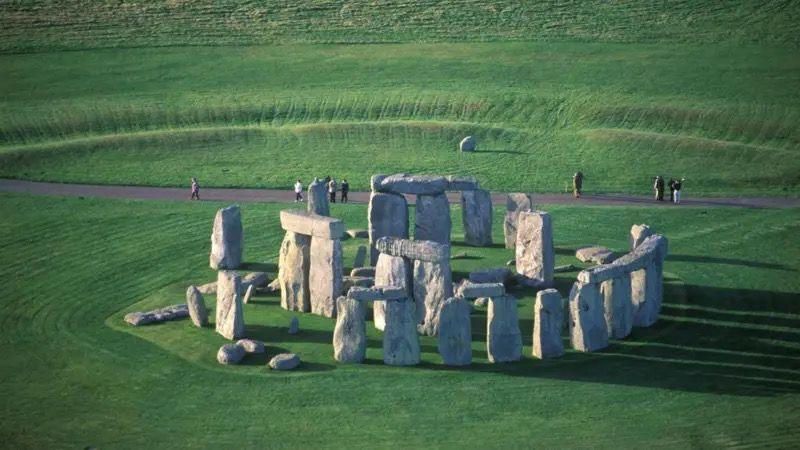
[(729, 261)]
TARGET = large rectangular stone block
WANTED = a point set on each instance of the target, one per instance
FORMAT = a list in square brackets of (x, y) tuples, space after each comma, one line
[(535, 253), (391, 271), (369, 294), (432, 219), (310, 224), (317, 199), (653, 248), (388, 216), (468, 289), (227, 239), (403, 183), (618, 306), (645, 290), (476, 215), (428, 251), (325, 275), (229, 310), (503, 338), (294, 263), (455, 333), (515, 204), (433, 284), (587, 323), (400, 339), (548, 321)]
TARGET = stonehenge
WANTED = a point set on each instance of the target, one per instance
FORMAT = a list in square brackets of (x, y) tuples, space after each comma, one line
[(229, 310), (432, 218), (284, 361), (588, 331), (391, 271), (318, 202), (227, 239), (294, 262), (476, 215), (400, 339), (515, 204), (548, 320), (535, 253), (595, 254), (350, 334), (388, 216), (455, 332), (503, 338)]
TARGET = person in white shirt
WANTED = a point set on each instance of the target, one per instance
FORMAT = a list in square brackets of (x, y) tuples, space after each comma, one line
[(298, 191), (332, 190)]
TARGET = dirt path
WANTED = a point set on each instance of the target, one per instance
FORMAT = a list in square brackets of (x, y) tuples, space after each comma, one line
[(274, 195)]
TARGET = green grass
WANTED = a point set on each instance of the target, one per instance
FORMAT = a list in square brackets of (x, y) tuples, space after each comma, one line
[(719, 369)]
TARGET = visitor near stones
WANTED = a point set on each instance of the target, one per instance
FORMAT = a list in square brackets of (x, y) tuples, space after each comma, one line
[(577, 184), (345, 189), (298, 191), (195, 190), (658, 187), (332, 190)]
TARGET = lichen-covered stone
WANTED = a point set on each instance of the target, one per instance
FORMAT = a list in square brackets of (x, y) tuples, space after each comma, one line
[(476, 215), (429, 251), (433, 284), (310, 224), (196, 306), (515, 204), (317, 199), (403, 183), (325, 275), (227, 239), (455, 332), (294, 262), (348, 282), (461, 183), (255, 279), (432, 219), (173, 312), (587, 323), (468, 289), (284, 361), (503, 338), (535, 253), (230, 312), (391, 271), (400, 339), (350, 334), (638, 234), (548, 321), (618, 306), (374, 293), (251, 345), (388, 216), (230, 354)]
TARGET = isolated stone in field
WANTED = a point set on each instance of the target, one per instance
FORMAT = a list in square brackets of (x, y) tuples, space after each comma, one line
[(476, 214), (403, 183), (455, 332), (388, 216), (350, 334), (325, 275), (284, 361), (535, 254), (467, 144), (294, 325), (400, 339), (515, 204), (587, 323), (208, 288), (196, 307), (548, 321), (358, 233), (496, 275), (361, 256), (304, 222), (230, 354), (363, 272), (433, 284), (227, 239), (173, 312), (391, 271), (251, 345), (318, 198), (638, 234), (618, 306), (503, 338), (460, 183), (294, 261), (247, 294), (468, 289), (432, 219), (230, 312), (428, 251), (595, 254)]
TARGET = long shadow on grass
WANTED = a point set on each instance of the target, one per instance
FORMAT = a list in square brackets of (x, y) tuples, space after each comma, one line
[(729, 261)]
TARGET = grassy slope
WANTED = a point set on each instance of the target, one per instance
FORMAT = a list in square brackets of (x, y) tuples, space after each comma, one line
[(720, 368)]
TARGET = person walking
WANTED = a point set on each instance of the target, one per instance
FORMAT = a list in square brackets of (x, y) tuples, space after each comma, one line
[(659, 188), (577, 183), (671, 185), (345, 190), (195, 190), (678, 185), (332, 190), (298, 191)]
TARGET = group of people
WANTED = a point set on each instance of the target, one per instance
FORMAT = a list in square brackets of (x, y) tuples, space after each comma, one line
[(344, 188), (674, 189)]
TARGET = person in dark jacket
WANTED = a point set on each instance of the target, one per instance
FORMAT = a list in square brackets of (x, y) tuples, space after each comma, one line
[(345, 188), (671, 185), (658, 186), (577, 183), (195, 190)]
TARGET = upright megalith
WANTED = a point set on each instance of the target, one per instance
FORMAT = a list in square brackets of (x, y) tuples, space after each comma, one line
[(503, 338), (618, 306), (432, 218), (638, 234), (294, 262), (516, 203), (535, 254), (455, 332), (433, 284), (230, 312), (388, 216), (350, 334), (196, 306), (400, 339), (476, 214), (227, 239), (587, 323), (325, 275), (318, 198), (390, 271), (548, 321)]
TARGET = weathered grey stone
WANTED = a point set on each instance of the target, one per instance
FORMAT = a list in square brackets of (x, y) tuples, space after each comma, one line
[(455, 333), (391, 271), (361, 256), (317, 199), (638, 234), (548, 321), (363, 272), (535, 254), (497, 275), (481, 302), (251, 345), (196, 307), (587, 323), (325, 275), (400, 339), (294, 262), (653, 248), (433, 284), (403, 183), (503, 338), (208, 288), (350, 334), (467, 144), (227, 239), (476, 214), (311, 224), (618, 306), (565, 268), (294, 325), (348, 282), (369, 294), (284, 361), (358, 233), (173, 312), (256, 279), (468, 289), (247, 294), (230, 312), (458, 183), (432, 219), (230, 354), (595, 254), (428, 251), (644, 296), (388, 216), (515, 204)]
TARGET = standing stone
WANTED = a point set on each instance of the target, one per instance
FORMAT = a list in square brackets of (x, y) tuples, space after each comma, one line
[(325, 275), (535, 254), (455, 332), (318, 198), (618, 306), (515, 204), (227, 239), (197, 307), (638, 234), (350, 334), (644, 296), (403, 183), (467, 144), (294, 325), (390, 271), (548, 320), (433, 284), (476, 214), (503, 338), (587, 323), (400, 339), (388, 216), (294, 262), (230, 313), (361, 256), (432, 219)]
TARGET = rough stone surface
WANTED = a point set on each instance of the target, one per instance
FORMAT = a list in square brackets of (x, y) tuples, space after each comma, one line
[(403, 183), (468, 289), (535, 254), (363, 272), (317, 198), (432, 219), (587, 323), (173, 312), (247, 294), (503, 338), (230, 354), (294, 262), (651, 250), (428, 251), (433, 284), (595, 254), (251, 345), (348, 282), (294, 326), (644, 296), (618, 306), (325, 275), (361, 256), (388, 216), (227, 239), (400, 339), (482, 302), (476, 214), (459, 183), (311, 224), (358, 233), (208, 288), (350, 334), (548, 321), (230, 312), (196, 306), (284, 361), (369, 294), (565, 268), (256, 279), (391, 271), (467, 144), (638, 234), (496, 275), (515, 204), (455, 333)]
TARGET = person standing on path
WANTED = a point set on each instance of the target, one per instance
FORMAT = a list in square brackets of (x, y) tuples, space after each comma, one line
[(195, 190), (345, 189), (659, 188), (332, 190), (577, 183), (671, 185), (298, 191), (677, 186)]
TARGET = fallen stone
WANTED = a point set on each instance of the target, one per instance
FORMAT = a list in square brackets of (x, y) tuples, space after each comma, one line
[(388, 216), (503, 338), (230, 354), (391, 271), (587, 322), (476, 215), (467, 144), (548, 321), (433, 285), (256, 279), (455, 333), (363, 272), (468, 289), (515, 204), (565, 268), (403, 183), (350, 334), (400, 339), (325, 275), (294, 262), (498, 275), (596, 254), (458, 183), (247, 294), (358, 234), (173, 312), (651, 250), (294, 326), (196, 307), (227, 239), (230, 312), (361, 256), (309, 224), (617, 306), (317, 200), (348, 282), (251, 345), (208, 288), (364, 294), (284, 361), (432, 219), (535, 254), (638, 234), (427, 251)]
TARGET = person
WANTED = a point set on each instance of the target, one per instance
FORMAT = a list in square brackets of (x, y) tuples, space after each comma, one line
[(671, 185), (659, 188), (298, 191), (678, 185), (195, 190), (577, 183), (332, 190), (345, 190)]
